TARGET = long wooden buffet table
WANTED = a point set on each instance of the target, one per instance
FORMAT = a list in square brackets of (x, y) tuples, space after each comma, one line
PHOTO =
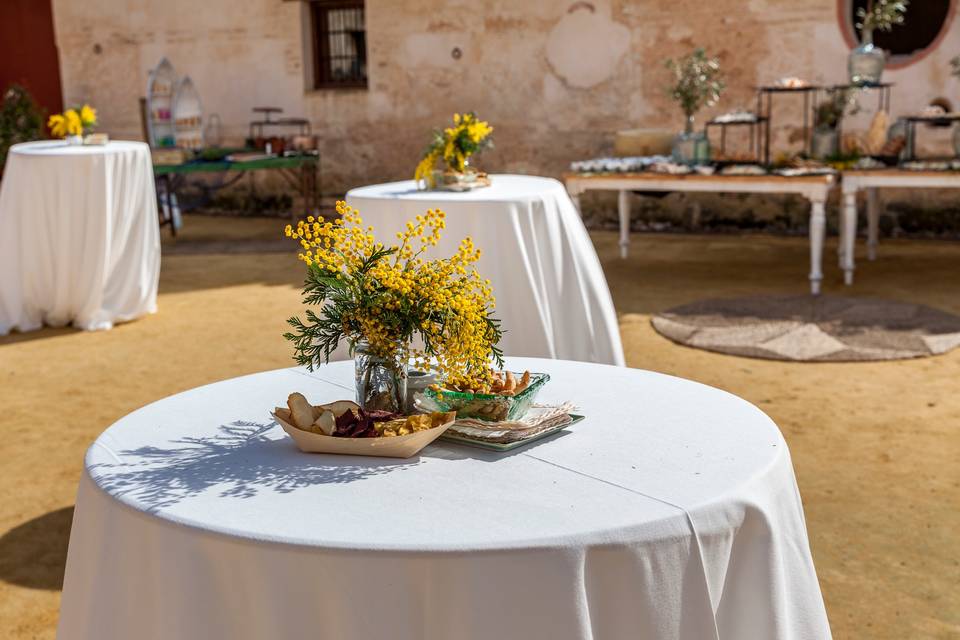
[(813, 188), (870, 181)]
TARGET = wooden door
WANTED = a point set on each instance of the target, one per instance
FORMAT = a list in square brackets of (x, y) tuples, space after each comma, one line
[(28, 51)]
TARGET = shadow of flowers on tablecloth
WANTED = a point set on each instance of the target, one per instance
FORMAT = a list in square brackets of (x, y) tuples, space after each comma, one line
[(239, 461)]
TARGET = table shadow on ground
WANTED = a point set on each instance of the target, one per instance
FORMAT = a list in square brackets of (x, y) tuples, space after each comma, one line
[(239, 461), (42, 333), (34, 554)]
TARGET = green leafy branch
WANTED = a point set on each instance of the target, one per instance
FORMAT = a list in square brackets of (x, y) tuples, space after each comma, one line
[(697, 81), (881, 14)]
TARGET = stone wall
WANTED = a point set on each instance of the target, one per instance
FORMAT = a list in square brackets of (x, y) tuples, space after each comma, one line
[(555, 77)]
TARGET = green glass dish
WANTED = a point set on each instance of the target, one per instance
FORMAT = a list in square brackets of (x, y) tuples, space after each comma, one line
[(486, 406)]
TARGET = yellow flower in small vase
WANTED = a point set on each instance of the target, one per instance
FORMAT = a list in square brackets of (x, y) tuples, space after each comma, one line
[(456, 145), (72, 124), (88, 116)]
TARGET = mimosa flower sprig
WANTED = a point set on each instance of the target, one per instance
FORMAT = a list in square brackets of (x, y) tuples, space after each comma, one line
[(388, 295), (72, 122), (467, 137)]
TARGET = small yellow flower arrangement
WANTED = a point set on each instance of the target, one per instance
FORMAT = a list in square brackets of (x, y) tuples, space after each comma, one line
[(382, 297), (73, 122), (455, 146)]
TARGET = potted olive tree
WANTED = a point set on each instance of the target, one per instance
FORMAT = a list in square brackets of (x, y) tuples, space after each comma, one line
[(827, 120), (867, 61), (696, 84)]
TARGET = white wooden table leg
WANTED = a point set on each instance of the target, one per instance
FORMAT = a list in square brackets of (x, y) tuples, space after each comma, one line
[(848, 223), (623, 205), (818, 227), (696, 213), (873, 222), (842, 244)]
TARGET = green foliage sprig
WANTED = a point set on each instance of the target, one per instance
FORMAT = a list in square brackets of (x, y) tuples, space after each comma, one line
[(697, 81), (881, 14)]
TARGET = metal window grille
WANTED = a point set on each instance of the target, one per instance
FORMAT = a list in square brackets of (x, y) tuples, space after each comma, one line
[(339, 44)]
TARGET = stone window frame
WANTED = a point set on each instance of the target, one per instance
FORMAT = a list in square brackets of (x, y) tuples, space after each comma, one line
[(318, 13), (899, 61)]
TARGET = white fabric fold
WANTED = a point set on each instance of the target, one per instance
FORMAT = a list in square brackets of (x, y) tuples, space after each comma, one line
[(79, 235)]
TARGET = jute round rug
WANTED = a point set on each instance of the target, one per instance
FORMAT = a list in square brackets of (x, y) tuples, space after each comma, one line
[(812, 328)]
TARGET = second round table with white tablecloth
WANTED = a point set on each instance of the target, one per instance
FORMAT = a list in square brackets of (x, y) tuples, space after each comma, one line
[(551, 293), (670, 512), (79, 235)]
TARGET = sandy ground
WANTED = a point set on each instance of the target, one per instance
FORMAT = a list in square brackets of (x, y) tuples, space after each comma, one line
[(875, 446)]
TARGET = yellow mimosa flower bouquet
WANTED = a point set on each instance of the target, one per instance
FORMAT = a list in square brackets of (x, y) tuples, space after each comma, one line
[(455, 146), (73, 122), (379, 298)]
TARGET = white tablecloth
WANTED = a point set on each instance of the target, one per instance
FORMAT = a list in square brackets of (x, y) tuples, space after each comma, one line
[(551, 292), (670, 512), (79, 235)]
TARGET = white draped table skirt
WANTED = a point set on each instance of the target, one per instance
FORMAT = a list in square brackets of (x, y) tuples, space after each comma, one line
[(79, 235), (670, 512)]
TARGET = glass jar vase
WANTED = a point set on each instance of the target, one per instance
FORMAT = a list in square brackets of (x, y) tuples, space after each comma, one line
[(380, 382), (691, 147), (866, 62)]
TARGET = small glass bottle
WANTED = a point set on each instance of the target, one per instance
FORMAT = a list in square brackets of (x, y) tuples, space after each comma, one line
[(417, 383)]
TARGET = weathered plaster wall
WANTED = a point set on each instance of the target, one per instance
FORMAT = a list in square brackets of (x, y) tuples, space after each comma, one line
[(555, 77)]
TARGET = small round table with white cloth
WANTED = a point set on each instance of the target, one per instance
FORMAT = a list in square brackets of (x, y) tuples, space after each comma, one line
[(79, 235), (671, 511), (552, 296)]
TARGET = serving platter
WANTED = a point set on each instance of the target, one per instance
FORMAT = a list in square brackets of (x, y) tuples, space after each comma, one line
[(387, 447), (508, 446)]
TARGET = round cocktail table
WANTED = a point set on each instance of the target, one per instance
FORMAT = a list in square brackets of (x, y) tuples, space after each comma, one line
[(552, 296), (79, 235), (671, 511)]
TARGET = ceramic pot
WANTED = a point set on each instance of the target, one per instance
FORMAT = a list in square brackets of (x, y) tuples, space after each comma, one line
[(866, 62), (825, 143)]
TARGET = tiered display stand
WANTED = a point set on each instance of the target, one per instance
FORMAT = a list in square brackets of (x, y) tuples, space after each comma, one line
[(757, 128), (187, 115), (161, 86)]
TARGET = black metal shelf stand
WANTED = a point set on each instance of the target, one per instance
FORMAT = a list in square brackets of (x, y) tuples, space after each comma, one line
[(758, 126), (765, 110)]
